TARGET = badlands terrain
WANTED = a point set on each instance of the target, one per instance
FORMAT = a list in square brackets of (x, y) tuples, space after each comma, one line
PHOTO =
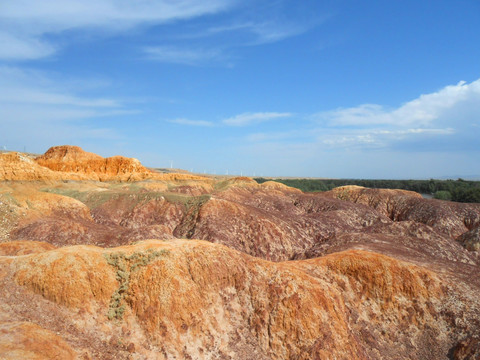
[(102, 258)]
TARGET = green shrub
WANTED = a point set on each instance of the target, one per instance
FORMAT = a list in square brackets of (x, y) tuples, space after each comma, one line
[(443, 195)]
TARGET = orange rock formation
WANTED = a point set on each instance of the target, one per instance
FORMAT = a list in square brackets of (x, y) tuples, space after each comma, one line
[(194, 299), (75, 160), (16, 166), (27, 341)]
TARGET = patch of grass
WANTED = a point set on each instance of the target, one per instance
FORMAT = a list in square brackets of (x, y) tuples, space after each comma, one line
[(134, 187), (343, 195), (97, 199), (8, 215), (188, 201), (174, 198), (81, 196), (9, 198), (92, 199), (222, 185), (196, 202), (125, 266), (186, 228)]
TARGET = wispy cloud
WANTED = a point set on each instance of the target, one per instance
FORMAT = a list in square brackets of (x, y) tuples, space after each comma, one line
[(32, 29), (23, 86), (444, 120), (259, 137), (188, 122), (27, 23), (374, 138), (424, 110), (47, 111), (171, 54), (223, 41), (253, 32), (23, 47), (269, 32), (51, 15), (251, 24), (253, 118), (228, 39)]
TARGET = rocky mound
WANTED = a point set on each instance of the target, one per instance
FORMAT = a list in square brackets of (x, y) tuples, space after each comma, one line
[(194, 299), (75, 160), (467, 349), (450, 218), (275, 224), (72, 163), (379, 199), (471, 239), (15, 248), (16, 166), (27, 341)]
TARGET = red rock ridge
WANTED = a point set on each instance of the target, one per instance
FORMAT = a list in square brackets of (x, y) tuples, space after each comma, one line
[(450, 218), (75, 160)]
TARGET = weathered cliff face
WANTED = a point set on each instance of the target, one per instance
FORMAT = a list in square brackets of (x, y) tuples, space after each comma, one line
[(72, 159), (194, 299), (73, 163), (16, 166)]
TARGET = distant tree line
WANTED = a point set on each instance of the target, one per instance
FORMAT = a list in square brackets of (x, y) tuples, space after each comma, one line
[(455, 190)]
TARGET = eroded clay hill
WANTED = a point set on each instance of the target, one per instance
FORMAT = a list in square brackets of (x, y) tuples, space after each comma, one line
[(353, 273), (183, 299), (450, 218), (72, 159), (15, 166), (73, 163)]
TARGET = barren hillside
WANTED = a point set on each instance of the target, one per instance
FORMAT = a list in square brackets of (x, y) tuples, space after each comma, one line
[(102, 258)]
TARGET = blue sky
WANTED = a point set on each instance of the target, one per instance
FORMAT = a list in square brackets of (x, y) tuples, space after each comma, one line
[(358, 89)]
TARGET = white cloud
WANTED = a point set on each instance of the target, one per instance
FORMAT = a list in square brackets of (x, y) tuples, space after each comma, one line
[(272, 32), (37, 110), (442, 121), (252, 118), (256, 137), (78, 13), (366, 114), (183, 56), (25, 23), (374, 138), (263, 32), (239, 35), (15, 47), (423, 111), (29, 87), (28, 28), (188, 122)]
